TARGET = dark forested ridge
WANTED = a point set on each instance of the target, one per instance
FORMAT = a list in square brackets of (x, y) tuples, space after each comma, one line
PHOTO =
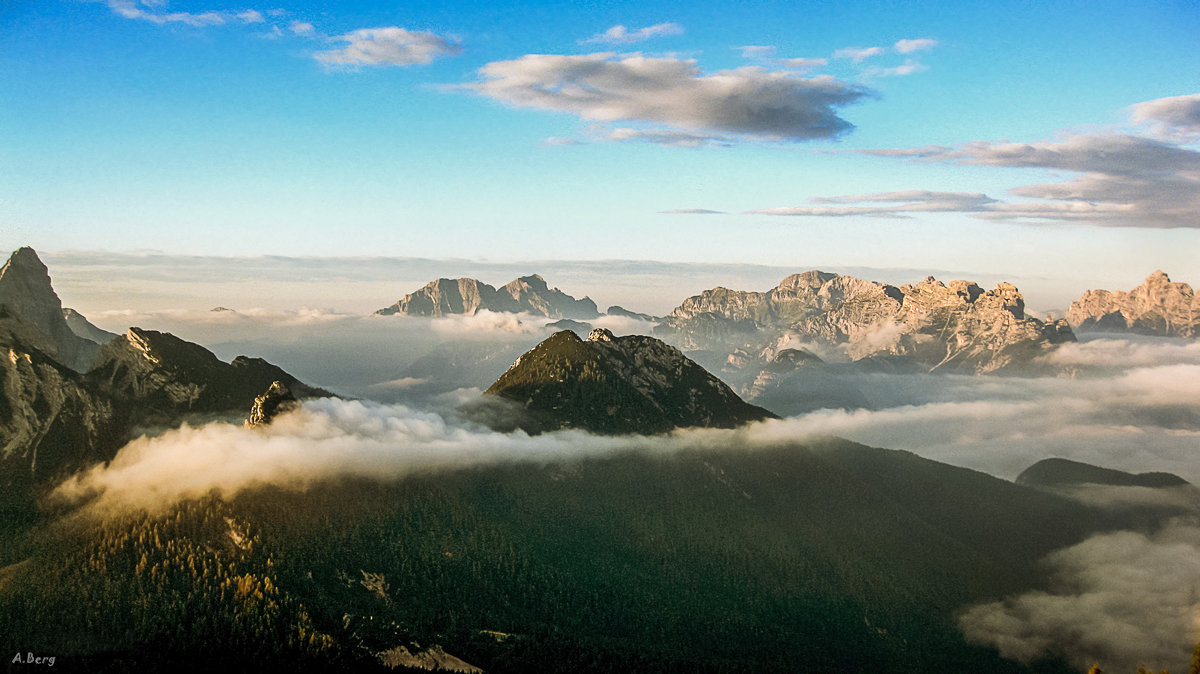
[(800, 558)]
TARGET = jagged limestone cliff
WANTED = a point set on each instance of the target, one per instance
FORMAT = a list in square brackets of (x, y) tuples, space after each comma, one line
[(528, 294), (1157, 307), (956, 326)]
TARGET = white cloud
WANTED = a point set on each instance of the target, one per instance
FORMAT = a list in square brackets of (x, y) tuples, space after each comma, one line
[(621, 35), (750, 102), (767, 54), (910, 201), (1121, 599), (1125, 181), (754, 51), (131, 10), (660, 137), (907, 68), (389, 46), (301, 28), (858, 54), (801, 63), (250, 16), (1177, 117), (910, 46), (692, 211)]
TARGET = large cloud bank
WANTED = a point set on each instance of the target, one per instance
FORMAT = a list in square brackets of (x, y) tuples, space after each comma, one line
[(1121, 599)]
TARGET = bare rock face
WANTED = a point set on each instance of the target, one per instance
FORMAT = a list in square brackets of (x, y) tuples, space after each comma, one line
[(277, 400), (162, 378), (1157, 307), (530, 294), (449, 296), (52, 422), (957, 327), (26, 294), (82, 327)]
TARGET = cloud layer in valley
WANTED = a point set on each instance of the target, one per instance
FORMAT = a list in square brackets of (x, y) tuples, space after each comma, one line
[(1122, 599)]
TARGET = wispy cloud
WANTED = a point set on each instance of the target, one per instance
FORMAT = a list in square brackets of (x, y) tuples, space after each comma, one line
[(1175, 118), (301, 28), (146, 11), (909, 67), (1124, 180), (663, 137), (749, 103), (894, 204), (858, 54), (621, 35), (692, 211), (766, 54), (910, 46), (250, 16), (388, 46)]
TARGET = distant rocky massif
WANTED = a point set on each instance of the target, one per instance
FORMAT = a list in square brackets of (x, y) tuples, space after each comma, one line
[(763, 343), (72, 394), (1157, 307), (617, 385), (468, 296), (928, 325), (1066, 473)]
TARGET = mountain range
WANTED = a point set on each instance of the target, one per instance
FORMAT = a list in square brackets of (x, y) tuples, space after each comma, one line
[(814, 555), (468, 296), (1157, 307)]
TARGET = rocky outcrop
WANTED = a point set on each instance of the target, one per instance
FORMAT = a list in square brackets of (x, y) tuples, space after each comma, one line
[(1157, 307), (27, 295), (277, 399), (468, 296), (164, 379), (617, 385), (616, 310), (795, 381), (82, 327), (52, 422), (956, 326)]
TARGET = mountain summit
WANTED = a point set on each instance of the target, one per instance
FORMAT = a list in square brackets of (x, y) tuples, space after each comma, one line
[(618, 385), (1157, 307), (31, 313), (469, 296)]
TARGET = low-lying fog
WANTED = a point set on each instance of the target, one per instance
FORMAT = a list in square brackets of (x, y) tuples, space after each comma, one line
[(1127, 403)]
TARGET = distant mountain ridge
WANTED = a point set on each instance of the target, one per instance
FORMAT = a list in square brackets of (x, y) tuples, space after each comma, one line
[(953, 327), (1157, 307), (529, 294), (618, 385), (1065, 472)]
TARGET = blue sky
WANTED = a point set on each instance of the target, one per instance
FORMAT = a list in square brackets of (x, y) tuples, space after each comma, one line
[(996, 138)]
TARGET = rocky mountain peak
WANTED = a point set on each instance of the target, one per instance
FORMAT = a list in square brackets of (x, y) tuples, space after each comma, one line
[(954, 325), (34, 312), (617, 385), (276, 400), (600, 335), (1157, 307)]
